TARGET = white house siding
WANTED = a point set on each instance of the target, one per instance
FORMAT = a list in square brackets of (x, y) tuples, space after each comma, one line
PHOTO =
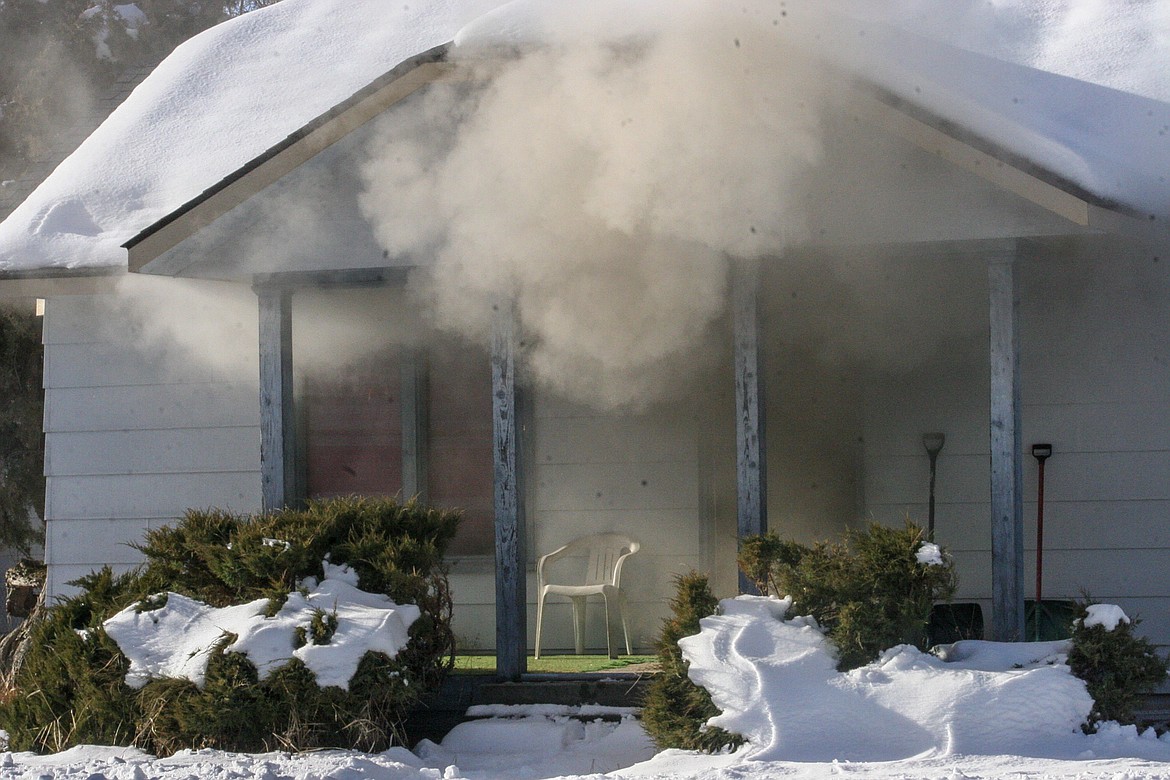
[(1095, 341), (636, 474), (138, 430), (588, 472)]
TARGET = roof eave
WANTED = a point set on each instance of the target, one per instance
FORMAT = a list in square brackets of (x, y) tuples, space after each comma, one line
[(1013, 172), (146, 248), (1080, 207), (44, 282)]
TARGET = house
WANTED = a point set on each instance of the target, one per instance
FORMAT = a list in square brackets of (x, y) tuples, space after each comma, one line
[(511, 260)]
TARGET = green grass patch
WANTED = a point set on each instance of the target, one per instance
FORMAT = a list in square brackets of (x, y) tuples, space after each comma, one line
[(552, 664)]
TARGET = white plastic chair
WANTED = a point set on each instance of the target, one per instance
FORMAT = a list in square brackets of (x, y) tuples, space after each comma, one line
[(607, 553)]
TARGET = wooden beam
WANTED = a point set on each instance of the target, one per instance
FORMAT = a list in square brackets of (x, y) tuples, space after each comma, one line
[(49, 282), (1007, 513), (751, 452), (1028, 186), (511, 574), (394, 276), (413, 393), (277, 426)]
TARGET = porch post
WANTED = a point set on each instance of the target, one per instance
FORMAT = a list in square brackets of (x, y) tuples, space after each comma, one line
[(751, 451), (277, 427), (413, 393), (1007, 513), (511, 574)]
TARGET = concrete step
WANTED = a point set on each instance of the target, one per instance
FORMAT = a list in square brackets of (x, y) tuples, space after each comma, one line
[(461, 692)]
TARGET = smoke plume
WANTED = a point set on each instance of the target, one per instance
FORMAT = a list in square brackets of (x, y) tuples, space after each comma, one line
[(603, 185)]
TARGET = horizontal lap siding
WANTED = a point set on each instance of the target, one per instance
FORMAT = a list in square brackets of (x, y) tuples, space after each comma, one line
[(1095, 343), (148, 495), (115, 365), (140, 452), (631, 473), (153, 407), (136, 434)]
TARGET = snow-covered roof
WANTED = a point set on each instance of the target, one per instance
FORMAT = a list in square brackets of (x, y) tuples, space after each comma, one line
[(224, 98), (218, 101)]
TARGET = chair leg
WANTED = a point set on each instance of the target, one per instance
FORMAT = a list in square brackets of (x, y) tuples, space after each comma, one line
[(579, 624), (625, 622), (609, 644), (539, 623)]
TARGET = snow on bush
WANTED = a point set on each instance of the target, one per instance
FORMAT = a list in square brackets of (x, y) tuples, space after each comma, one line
[(929, 554), (178, 638), (1108, 616), (870, 590), (1119, 667)]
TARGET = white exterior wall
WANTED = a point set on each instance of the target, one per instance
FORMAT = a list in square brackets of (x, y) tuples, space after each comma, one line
[(1095, 342), (138, 434), (594, 472), (137, 431), (591, 472)]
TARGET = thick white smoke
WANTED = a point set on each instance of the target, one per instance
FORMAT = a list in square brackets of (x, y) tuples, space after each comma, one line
[(604, 185)]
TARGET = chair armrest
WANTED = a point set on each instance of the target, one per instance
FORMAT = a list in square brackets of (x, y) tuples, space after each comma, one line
[(617, 567), (547, 559)]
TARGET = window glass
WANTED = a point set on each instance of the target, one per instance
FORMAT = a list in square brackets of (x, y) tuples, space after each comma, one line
[(460, 447), (351, 420), (353, 437)]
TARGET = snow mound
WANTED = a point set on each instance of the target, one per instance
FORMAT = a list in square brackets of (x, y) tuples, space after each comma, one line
[(776, 682), (177, 640), (996, 656), (68, 217), (539, 744)]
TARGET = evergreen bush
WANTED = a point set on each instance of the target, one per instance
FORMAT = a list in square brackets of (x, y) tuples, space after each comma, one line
[(869, 591), (676, 711), (71, 688), (1119, 668), (22, 444)]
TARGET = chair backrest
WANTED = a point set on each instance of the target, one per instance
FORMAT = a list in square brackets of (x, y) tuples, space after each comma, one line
[(606, 553)]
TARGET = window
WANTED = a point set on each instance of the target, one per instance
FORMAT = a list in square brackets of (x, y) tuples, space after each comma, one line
[(352, 419)]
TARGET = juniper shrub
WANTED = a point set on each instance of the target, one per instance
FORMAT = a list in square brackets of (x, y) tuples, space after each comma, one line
[(676, 711), (71, 689)]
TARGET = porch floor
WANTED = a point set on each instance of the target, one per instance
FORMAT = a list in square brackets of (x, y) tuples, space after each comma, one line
[(562, 664)]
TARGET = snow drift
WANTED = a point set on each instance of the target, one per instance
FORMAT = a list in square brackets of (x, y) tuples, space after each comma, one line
[(777, 684)]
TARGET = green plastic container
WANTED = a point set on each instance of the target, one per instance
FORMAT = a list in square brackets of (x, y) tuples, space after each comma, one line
[(1052, 621), (952, 622)]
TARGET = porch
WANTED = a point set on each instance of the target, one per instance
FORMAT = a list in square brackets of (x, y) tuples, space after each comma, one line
[(704, 483)]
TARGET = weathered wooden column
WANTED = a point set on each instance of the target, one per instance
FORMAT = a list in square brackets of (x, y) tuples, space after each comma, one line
[(277, 422), (1007, 509), (751, 452), (413, 394), (511, 574)]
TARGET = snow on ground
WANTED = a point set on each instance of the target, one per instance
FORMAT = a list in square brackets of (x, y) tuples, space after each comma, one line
[(980, 710)]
